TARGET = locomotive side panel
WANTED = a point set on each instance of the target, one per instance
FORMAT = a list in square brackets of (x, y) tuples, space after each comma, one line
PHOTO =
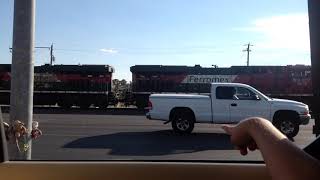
[(291, 82), (65, 85)]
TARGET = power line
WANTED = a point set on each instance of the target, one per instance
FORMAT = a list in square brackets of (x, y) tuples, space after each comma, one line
[(248, 50), (52, 57)]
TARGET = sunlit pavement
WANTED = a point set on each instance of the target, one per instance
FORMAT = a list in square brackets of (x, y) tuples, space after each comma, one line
[(124, 137)]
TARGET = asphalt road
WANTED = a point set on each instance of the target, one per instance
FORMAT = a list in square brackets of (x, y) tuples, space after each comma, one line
[(133, 137)]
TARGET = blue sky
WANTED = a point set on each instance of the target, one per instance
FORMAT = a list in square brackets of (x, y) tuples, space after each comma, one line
[(123, 33)]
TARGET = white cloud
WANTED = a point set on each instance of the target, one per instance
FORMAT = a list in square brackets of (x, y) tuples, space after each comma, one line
[(289, 32), (109, 50)]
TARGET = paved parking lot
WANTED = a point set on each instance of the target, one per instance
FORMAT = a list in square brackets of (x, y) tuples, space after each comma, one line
[(133, 137)]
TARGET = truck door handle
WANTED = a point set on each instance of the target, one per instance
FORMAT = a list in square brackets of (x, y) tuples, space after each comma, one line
[(233, 104)]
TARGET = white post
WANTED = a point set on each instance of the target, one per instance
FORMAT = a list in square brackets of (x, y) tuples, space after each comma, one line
[(21, 97)]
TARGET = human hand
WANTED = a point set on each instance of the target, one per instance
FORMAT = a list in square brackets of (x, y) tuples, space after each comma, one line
[(240, 135)]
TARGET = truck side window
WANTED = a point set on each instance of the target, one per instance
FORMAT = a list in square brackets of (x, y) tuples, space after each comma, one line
[(244, 94), (225, 92)]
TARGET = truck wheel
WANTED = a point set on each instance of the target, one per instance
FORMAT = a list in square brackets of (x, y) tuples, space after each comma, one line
[(182, 123), (288, 127)]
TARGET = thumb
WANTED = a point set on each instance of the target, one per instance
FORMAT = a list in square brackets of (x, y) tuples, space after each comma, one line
[(228, 129)]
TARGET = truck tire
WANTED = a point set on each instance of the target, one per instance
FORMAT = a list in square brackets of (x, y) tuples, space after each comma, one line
[(287, 126), (182, 122)]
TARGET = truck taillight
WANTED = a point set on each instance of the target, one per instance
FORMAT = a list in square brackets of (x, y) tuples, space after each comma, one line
[(149, 105)]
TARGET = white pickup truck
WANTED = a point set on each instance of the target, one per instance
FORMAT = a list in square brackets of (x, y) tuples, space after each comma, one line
[(228, 103)]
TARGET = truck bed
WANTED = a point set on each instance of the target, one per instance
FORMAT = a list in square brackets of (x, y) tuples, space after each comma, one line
[(166, 102)]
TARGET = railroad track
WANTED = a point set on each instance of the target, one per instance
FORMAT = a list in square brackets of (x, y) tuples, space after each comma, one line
[(76, 110)]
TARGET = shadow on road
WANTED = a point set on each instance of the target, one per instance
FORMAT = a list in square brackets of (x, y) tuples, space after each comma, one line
[(154, 143)]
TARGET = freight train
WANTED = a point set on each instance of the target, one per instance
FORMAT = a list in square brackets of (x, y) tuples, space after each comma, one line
[(288, 82), (90, 85), (65, 85)]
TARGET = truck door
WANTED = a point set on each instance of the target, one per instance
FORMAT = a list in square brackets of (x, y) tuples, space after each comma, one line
[(221, 100), (248, 104)]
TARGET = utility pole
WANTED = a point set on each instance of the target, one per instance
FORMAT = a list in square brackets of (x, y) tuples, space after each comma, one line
[(248, 50), (52, 58), (22, 72)]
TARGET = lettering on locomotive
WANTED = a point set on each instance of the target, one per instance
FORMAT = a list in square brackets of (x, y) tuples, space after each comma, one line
[(204, 79)]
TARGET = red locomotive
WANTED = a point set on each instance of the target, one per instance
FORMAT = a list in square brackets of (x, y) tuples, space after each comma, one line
[(289, 82), (65, 85)]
